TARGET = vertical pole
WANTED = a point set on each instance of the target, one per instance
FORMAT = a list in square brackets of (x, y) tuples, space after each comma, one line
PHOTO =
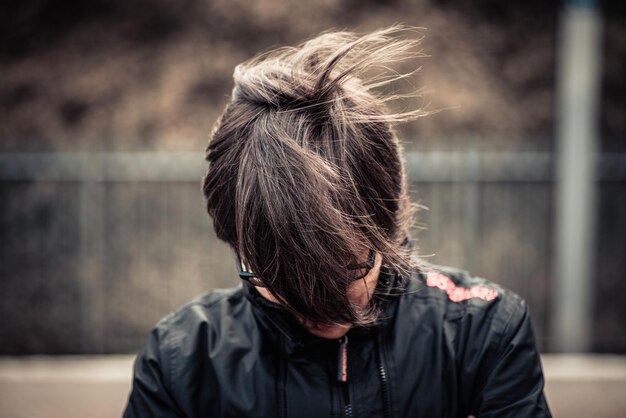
[(577, 101), (91, 251)]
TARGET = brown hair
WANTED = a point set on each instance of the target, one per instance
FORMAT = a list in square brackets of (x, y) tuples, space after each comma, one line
[(305, 173)]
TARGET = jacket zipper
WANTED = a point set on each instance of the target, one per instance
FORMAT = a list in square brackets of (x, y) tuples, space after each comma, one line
[(384, 384), (342, 374)]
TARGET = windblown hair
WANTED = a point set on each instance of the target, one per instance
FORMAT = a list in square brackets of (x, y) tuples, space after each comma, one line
[(305, 172)]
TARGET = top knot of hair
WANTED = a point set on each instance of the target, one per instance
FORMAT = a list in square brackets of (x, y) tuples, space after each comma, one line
[(274, 85)]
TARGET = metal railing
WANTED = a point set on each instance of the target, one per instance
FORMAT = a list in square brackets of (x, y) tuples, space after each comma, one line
[(466, 175)]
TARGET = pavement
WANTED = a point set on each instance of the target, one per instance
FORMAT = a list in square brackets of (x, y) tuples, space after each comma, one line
[(98, 386)]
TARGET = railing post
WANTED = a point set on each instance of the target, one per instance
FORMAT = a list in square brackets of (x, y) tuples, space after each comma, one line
[(92, 235)]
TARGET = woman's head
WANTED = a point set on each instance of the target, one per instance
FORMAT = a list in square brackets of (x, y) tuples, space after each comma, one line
[(305, 173)]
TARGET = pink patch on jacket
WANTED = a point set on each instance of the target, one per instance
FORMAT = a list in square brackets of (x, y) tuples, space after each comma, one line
[(456, 293)]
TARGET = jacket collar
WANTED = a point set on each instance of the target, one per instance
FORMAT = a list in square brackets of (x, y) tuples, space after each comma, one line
[(273, 318)]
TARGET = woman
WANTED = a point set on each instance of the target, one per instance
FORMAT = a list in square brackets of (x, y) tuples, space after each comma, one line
[(335, 317)]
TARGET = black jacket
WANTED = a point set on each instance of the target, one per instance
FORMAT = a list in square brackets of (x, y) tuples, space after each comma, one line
[(449, 346)]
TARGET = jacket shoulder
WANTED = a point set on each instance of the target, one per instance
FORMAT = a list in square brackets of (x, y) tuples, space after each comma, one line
[(486, 331), (179, 347), (459, 293), (477, 317), (210, 311), (190, 334), (205, 304)]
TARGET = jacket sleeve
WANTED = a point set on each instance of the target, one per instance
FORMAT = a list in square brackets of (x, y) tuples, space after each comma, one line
[(512, 385), (150, 396)]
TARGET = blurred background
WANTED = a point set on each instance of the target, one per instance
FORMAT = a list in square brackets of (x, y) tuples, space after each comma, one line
[(106, 107)]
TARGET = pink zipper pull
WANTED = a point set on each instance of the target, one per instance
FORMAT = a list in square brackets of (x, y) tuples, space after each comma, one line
[(342, 363)]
